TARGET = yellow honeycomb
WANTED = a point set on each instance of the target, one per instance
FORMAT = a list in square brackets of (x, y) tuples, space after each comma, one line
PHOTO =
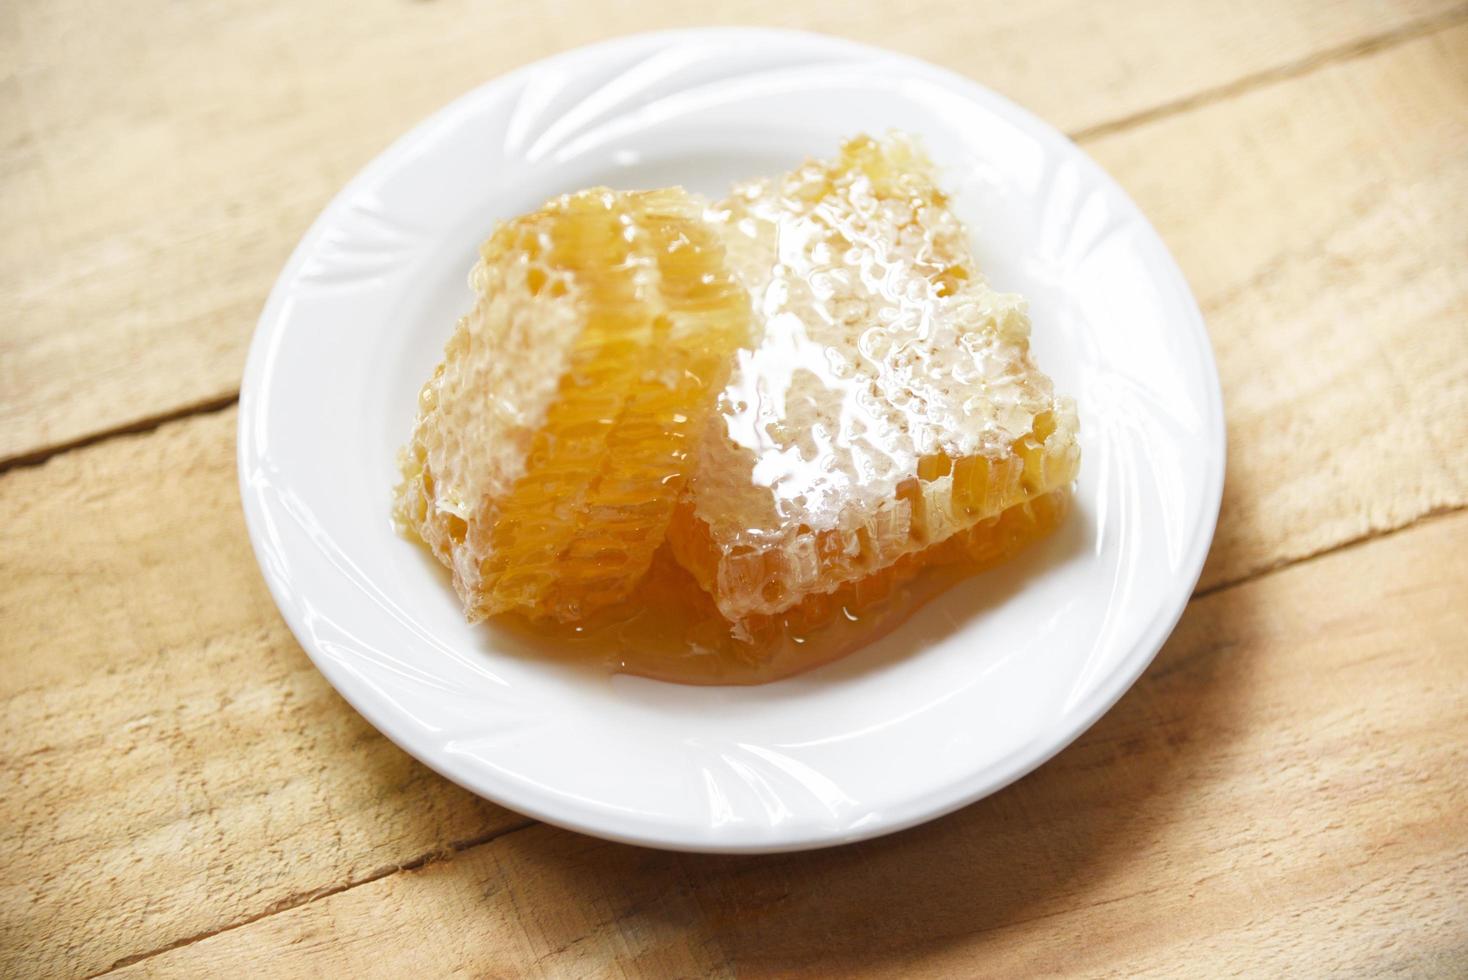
[(555, 438)]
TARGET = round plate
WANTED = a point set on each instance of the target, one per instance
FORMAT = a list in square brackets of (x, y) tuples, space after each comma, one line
[(975, 690)]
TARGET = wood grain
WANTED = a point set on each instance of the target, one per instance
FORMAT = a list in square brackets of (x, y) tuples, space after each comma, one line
[(1282, 794), (171, 765), (1319, 222), (169, 759), (161, 159)]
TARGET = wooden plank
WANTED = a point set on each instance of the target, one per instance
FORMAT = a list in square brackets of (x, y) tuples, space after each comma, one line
[(162, 159), (1320, 222), (1284, 793), (170, 761), (172, 765)]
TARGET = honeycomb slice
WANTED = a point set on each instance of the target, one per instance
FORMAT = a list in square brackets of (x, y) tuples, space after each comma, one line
[(554, 439), (891, 403)]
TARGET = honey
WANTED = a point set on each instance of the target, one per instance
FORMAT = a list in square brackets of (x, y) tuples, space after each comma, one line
[(669, 628)]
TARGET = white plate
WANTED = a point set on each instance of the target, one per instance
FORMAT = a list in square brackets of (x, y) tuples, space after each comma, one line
[(976, 690)]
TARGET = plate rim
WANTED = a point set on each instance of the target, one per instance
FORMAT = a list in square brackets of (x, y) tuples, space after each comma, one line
[(976, 784)]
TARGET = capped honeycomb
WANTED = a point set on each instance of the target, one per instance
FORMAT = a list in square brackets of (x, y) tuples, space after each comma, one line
[(555, 438), (890, 404)]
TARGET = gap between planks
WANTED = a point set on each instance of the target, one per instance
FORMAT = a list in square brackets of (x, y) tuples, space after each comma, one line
[(142, 426), (306, 898), (1248, 83), (1358, 48), (458, 847), (1279, 565)]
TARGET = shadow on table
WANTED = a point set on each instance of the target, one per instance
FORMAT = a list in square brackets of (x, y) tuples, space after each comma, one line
[(1044, 846)]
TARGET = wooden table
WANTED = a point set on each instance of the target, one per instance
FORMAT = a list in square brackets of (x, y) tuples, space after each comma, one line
[(1284, 792)]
